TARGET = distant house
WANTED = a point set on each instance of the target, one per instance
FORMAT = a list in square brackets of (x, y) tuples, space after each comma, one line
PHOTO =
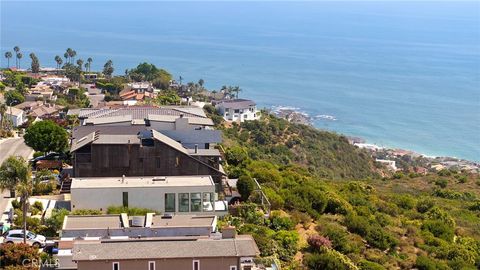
[(90, 76), (235, 253), (237, 110), (40, 109), (390, 164), (171, 194), (15, 116), (150, 153)]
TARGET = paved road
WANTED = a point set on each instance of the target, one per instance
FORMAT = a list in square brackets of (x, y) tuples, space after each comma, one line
[(9, 147)]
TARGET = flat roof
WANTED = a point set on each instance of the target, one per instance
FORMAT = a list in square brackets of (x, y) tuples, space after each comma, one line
[(92, 222), (241, 246), (183, 221), (145, 181)]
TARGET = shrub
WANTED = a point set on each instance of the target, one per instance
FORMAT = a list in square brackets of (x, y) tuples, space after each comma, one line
[(55, 222), (16, 204), (274, 198), (37, 154), (38, 205), (424, 205), (368, 265), (441, 182), (405, 202), (131, 211), (317, 242), (475, 206), (278, 222), (287, 244), (357, 224), (378, 238), (86, 212), (439, 229), (16, 254), (426, 263), (245, 186), (338, 236), (329, 260)]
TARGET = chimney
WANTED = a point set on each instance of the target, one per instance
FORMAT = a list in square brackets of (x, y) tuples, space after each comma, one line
[(196, 148), (229, 232)]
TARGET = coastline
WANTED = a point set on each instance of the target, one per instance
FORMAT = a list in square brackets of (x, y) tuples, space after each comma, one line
[(296, 115)]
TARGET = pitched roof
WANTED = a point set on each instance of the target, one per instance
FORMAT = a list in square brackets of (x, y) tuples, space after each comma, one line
[(13, 111), (236, 103), (168, 141), (194, 136), (242, 246), (142, 112), (84, 140)]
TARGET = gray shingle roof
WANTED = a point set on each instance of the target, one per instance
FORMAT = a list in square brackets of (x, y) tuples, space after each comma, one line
[(242, 246), (236, 103), (141, 112), (194, 136)]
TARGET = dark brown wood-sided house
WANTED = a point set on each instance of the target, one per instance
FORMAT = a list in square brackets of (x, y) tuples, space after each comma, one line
[(148, 153)]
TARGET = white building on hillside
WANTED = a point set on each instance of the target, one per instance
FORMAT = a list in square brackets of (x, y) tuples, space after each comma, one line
[(15, 116), (238, 110)]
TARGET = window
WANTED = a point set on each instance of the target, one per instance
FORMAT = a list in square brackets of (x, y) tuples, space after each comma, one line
[(116, 266), (207, 202), (177, 161), (169, 202), (236, 111), (184, 202), (125, 199), (196, 265), (196, 202), (151, 265), (233, 267)]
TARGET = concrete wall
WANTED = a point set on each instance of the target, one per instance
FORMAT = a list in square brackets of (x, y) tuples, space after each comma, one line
[(222, 263), (152, 197)]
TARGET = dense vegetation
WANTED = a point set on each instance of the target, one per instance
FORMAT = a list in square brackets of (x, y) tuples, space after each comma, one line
[(332, 211)]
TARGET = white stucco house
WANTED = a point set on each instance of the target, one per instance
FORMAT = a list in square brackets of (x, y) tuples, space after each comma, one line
[(238, 110), (168, 194), (16, 116)]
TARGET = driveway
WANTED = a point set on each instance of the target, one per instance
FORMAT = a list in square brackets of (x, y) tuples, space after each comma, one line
[(12, 147)]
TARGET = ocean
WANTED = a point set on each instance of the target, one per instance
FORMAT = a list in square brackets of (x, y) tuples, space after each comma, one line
[(398, 74)]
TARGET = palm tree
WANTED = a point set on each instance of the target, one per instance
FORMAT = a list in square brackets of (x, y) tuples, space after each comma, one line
[(16, 49), (8, 55), (19, 56), (65, 55), (25, 190), (86, 66), (80, 64), (3, 110), (69, 53), (237, 90), (74, 53), (89, 60)]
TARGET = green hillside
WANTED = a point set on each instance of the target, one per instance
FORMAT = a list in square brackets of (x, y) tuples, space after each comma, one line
[(332, 211)]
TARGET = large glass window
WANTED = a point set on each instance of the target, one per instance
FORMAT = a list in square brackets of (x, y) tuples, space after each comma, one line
[(208, 202), (184, 202), (196, 202), (169, 202)]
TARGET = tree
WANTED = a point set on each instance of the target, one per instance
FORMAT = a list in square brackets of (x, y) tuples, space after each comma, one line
[(25, 190), (19, 56), (46, 136), (89, 61), (14, 97), (80, 64), (59, 61), (14, 255), (245, 186), (8, 55), (65, 55), (108, 68), (35, 63), (168, 98), (3, 110), (16, 49), (12, 171)]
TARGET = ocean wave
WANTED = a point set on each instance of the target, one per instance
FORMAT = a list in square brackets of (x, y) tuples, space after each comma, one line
[(326, 117)]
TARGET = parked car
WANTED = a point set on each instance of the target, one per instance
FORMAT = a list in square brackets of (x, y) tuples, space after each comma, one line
[(16, 236)]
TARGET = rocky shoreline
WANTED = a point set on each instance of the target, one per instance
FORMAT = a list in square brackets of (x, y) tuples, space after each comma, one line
[(418, 162)]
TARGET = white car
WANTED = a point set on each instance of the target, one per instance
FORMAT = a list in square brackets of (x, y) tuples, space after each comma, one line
[(16, 236)]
